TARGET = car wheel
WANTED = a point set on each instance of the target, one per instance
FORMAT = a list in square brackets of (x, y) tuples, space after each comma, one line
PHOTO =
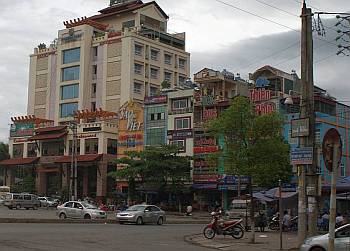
[(121, 222), (317, 249), (27, 208), (139, 220), (160, 221), (18, 206), (35, 207), (63, 216), (87, 217), (10, 208)]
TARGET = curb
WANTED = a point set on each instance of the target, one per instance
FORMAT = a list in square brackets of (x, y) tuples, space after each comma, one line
[(82, 221)]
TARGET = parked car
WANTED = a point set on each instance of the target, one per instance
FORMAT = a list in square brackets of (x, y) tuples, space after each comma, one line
[(141, 214), (320, 242), (79, 210), (21, 200), (2, 200), (47, 202)]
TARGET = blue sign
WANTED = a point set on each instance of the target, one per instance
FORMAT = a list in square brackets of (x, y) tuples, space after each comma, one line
[(301, 156), (261, 82), (232, 179), (289, 187)]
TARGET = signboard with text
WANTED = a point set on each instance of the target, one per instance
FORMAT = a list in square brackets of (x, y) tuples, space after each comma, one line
[(301, 156), (300, 127)]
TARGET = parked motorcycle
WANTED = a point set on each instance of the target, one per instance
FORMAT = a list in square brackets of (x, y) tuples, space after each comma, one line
[(218, 227), (274, 224)]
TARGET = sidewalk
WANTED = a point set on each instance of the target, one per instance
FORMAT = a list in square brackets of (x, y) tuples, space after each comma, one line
[(264, 241)]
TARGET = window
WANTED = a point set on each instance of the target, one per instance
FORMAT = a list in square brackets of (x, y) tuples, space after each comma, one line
[(68, 204), (94, 71), (138, 69), (182, 80), (27, 197), (153, 91), (137, 88), (77, 147), (182, 123), (167, 59), (93, 106), (31, 150), (154, 54), (94, 51), (70, 73), (318, 136), (17, 151), (71, 55), (154, 73), (128, 24), (179, 104), (157, 116), (69, 91), (68, 109), (182, 63), (138, 49), (91, 146), (93, 90), (111, 146), (167, 76), (181, 144), (52, 148)]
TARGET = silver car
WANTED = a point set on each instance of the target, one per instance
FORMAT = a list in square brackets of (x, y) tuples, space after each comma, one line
[(79, 210), (47, 202), (320, 242), (141, 214)]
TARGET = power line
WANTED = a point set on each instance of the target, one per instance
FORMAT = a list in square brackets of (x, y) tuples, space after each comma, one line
[(308, 4)]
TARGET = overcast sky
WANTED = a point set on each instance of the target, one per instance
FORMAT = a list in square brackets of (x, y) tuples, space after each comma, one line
[(218, 36)]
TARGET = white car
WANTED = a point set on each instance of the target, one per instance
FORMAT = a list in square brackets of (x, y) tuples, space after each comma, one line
[(47, 202), (320, 242)]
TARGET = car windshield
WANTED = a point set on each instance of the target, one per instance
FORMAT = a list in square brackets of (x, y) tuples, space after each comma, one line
[(136, 208), (88, 206)]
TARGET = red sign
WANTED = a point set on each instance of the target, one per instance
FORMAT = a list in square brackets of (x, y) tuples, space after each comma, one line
[(200, 163), (209, 114), (134, 136), (265, 108), (256, 95), (205, 149), (205, 177), (205, 142), (155, 100)]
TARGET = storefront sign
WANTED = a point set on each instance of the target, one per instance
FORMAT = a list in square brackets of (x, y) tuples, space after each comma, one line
[(205, 142), (265, 108), (180, 134), (300, 127), (205, 177), (200, 163), (204, 186), (209, 114), (156, 100), (257, 95), (22, 129), (232, 179), (133, 136), (20, 140), (205, 149), (111, 41), (132, 123), (231, 187), (301, 156), (84, 136), (72, 36)]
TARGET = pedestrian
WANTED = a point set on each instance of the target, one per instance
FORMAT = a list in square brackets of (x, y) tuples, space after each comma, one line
[(286, 220), (262, 221), (189, 210), (339, 220)]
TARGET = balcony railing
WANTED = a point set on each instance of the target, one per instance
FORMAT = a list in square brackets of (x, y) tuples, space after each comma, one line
[(181, 111)]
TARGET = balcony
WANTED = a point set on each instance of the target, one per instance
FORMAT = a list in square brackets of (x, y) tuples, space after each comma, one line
[(181, 111), (99, 126)]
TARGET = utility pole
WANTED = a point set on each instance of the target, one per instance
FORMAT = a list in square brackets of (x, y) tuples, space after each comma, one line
[(307, 111), (73, 182)]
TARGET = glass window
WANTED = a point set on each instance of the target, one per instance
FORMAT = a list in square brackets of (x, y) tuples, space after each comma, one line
[(111, 146), (154, 54), (128, 24), (71, 146), (68, 109), (69, 91), (182, 123), (137, 88), (31, 150), (167, 76), (138, 49), (182, 79), (70, 73), (156, 136), (153, 91), (138, 69), (182, 63), (71, 55), (154, 73), (68, 204), (167, 59), (52, 148), (95, 51), (17, 151), (179, 103), (342, 170), (181, 144), (91, 146)]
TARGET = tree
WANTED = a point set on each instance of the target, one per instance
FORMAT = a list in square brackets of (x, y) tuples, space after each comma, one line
[(254, 144), (156, 168), (4, 154)]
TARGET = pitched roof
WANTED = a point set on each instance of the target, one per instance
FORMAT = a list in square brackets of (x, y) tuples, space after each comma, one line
[(50, 129), (80, 158), (19, 161), (48, 136)]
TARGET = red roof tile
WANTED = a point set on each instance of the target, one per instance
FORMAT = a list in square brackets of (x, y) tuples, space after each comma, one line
[(19, 161), (48, 136), (50, 129), (80, 158)]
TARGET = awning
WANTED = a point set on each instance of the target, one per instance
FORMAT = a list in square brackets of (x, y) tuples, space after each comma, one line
[(47, 170), (50, 129), (80, 158), (48, 136), (19, 161)]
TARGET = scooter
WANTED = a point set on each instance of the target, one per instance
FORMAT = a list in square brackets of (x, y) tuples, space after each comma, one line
[(274, 223), (216, 227)]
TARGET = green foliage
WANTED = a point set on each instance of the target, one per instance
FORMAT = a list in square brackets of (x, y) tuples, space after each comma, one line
[(254, 144), (155, 168), (26, 186), (4, 151), (165, 84)]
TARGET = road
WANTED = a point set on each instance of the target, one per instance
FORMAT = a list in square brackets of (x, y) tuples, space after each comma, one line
[(44, 237)]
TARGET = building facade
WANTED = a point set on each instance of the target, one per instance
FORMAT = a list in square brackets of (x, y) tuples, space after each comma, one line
[(78, 88)]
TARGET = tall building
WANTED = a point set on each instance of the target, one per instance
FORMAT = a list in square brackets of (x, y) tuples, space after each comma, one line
[(93, 69)]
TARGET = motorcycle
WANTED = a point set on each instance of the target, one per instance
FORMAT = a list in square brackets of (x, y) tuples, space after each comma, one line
[(274, 223), (216, 227)]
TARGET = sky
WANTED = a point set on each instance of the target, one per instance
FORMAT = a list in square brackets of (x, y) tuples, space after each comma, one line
[(238, 35)]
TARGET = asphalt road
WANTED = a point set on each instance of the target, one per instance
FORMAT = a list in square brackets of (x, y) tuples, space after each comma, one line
[(47, 237), (42, 213)]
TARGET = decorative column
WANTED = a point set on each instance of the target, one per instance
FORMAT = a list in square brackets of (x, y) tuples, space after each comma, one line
[(101, 183), (85, 182)]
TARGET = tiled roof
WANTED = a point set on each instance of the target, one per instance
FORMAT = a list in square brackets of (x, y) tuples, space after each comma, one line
[(19, 161)]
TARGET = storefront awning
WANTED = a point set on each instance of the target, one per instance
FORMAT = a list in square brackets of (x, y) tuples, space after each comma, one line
[(80, 158), (48, 136), (19, 161)]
